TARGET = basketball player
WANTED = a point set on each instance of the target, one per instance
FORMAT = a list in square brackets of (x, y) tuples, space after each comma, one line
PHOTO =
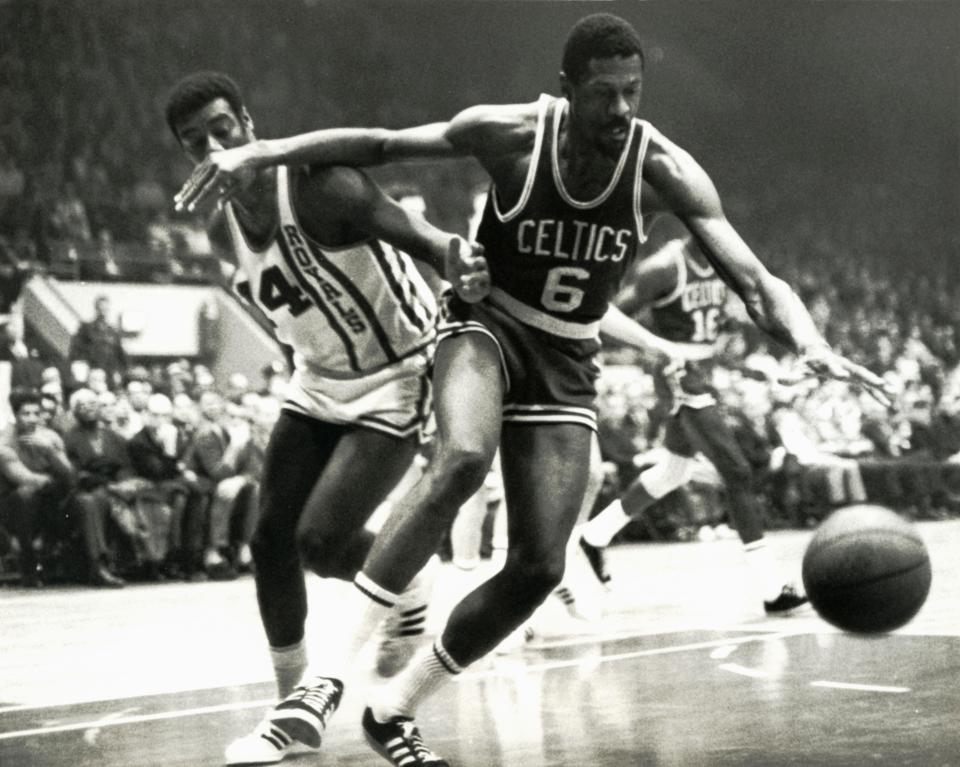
[(573, 179), (689, 306), (322, 253)]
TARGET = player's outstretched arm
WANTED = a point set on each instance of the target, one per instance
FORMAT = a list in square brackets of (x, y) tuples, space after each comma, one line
[(682, 187), (219, 173)]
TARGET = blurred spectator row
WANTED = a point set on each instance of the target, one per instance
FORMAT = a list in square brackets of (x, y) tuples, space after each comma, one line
[(814, 445), (155, 479)]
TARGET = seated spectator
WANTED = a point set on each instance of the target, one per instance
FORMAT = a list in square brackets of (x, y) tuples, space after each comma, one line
[(131, 408), (51, 403), (221, 457), (35, 482), (159, 453), (104, 477), (274, 377), (827, 480)]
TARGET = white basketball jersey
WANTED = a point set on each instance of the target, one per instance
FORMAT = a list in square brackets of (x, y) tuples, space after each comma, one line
[(346, 310)]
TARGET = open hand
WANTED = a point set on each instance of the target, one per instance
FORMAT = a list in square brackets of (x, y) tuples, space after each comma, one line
[(823, 362), (216, 178)]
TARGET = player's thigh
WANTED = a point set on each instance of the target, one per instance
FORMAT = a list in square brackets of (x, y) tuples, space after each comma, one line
[(545, 471), (468, 387), (362, 470), (297, 452)]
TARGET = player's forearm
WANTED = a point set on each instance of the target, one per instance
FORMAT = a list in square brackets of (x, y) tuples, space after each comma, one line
[(353, 146), (779, 312), (619, 327), (335, 146)]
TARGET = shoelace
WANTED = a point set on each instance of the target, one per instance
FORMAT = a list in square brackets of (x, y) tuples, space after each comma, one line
[(319, 697), (411, 735)]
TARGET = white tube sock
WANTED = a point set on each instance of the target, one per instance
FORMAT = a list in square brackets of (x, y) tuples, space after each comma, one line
[(429, 669), (600, 530)]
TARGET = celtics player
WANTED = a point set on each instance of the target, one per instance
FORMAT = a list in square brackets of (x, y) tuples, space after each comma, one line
[(573, 180), (322, 253), (689, 305)]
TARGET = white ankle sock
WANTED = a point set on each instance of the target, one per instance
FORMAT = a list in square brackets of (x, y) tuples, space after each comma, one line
[(430, 668), (600, 530), (289, 664), (366, 606)]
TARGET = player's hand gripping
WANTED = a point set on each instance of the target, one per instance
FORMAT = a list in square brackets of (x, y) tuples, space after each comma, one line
[(823, 362), (466, 269), (217, 177)]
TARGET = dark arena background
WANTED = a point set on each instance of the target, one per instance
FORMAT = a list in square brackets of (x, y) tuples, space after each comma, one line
[(832, 130)]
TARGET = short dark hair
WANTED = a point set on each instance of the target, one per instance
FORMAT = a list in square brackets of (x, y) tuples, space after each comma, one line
[(21, 396), (196, 91), (598, 36)]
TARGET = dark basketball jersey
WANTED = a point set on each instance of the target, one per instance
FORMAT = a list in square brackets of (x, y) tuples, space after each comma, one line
[(693, 314), (556, 262)]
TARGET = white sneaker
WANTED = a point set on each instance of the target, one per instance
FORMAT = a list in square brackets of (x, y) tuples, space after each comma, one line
[(404, 629), (267, 744)]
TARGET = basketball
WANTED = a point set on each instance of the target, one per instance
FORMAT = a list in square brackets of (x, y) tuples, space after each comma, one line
[(866, 570)]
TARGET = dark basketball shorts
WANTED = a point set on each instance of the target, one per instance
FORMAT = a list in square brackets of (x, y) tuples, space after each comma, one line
[(549, 379)]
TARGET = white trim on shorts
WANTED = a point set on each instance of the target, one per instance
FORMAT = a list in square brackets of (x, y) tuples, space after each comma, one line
[(541, 414)]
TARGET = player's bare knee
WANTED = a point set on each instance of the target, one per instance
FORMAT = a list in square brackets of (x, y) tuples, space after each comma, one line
[(534, 578), (459, 472), (320, 552)]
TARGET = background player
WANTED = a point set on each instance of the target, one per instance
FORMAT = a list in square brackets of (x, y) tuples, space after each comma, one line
[(689, 306), (321, 252), (572, 180)]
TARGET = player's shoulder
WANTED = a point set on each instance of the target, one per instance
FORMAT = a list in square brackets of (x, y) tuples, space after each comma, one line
[(494, 126), (331, 189), (663, 154)]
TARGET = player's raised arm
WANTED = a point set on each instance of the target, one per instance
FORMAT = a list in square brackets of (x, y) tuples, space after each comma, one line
[(218, 173), (683, 187)]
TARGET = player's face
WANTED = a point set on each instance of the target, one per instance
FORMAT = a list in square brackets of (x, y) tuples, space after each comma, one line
[(213, 127), (605, 101)]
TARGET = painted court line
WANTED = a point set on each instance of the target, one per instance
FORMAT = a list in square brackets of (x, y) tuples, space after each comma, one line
[(861, 687), (736, 668), (130, 696), (722, 653), (669, 650), (113, 722), (176, 714)]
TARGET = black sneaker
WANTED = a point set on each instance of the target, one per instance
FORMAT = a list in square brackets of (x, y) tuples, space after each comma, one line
[(399, 742), (597, 560), (303, 714), (788, 599)]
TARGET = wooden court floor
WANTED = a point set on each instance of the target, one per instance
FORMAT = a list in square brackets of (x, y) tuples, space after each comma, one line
[(677, 667)]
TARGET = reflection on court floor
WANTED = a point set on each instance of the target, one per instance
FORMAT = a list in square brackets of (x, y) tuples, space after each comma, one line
[(681, 670)]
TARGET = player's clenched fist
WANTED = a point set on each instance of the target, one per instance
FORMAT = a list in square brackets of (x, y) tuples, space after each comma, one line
[(466, 270)]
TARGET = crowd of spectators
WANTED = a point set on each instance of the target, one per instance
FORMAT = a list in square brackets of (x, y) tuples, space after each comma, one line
[(815, 445), (156, 478), (87, 173)]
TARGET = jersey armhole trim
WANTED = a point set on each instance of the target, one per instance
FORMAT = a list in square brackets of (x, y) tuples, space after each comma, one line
[(543, 104), (638, 179)]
